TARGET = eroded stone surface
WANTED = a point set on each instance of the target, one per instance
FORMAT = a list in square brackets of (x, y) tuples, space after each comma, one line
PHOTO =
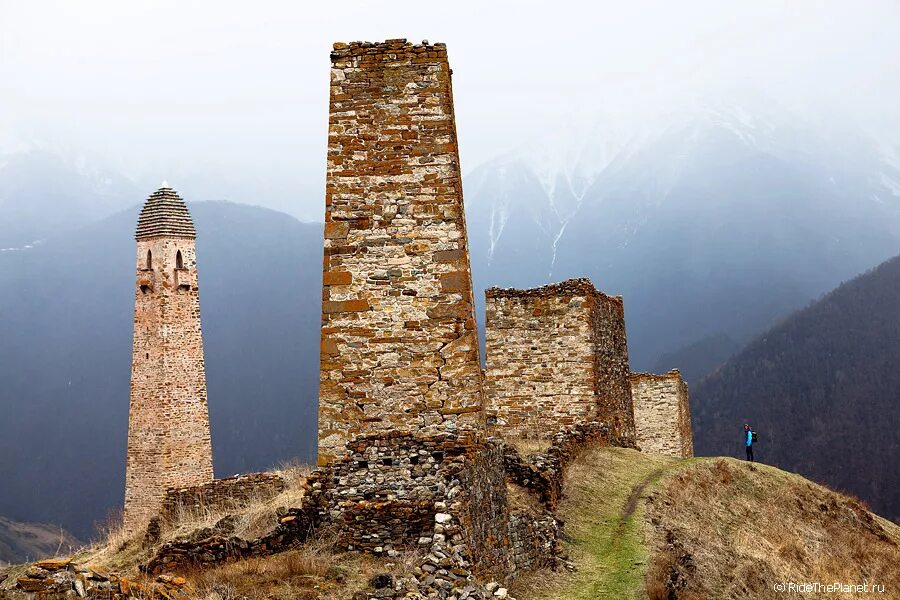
[(662, 413), (399, 350)]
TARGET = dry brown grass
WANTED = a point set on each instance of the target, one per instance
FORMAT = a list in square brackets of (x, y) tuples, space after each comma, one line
[(121, 552), (313, 571), (729, 529), (529, 444)]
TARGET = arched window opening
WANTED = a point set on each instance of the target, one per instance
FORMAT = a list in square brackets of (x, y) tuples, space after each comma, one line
[(149, 259), (179, 261)]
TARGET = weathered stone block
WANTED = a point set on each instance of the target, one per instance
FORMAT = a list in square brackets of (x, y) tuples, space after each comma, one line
[(556, 356)]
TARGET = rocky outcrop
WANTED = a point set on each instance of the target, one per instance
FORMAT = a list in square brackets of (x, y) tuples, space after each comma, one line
[(63, 579)]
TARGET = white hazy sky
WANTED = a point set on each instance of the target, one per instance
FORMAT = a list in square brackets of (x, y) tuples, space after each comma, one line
[(232, 96)]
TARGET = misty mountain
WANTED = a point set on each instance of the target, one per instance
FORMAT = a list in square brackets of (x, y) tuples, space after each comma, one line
[(714, 222), (21, 542), (821, 389), (66, 310), (70, 192)]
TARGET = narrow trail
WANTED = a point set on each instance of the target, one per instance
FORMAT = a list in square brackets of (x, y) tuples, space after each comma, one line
[(603, 512), (636, 492)]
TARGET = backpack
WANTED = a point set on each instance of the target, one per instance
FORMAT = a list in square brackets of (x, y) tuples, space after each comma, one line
[(753, 437)]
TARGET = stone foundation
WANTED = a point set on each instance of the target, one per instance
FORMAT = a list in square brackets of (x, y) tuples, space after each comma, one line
[(439, 494), (662, 413), (556, 356)]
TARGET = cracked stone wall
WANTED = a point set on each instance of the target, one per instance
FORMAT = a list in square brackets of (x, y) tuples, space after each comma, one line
[(399, 349), (556, 356), (662, 414), (168, 428)]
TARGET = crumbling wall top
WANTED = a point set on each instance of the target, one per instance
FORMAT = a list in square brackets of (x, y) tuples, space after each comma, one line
[(672, 374), (580, 286), (396, 49)]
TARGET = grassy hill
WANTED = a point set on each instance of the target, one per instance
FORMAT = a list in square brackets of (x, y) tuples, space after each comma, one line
[(642, 526), (637, 526), (821, 388)]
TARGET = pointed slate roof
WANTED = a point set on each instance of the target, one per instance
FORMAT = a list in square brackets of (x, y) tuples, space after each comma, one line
[(165, 215)]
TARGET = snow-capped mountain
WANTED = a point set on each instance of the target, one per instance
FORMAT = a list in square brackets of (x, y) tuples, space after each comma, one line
[(714, 220)]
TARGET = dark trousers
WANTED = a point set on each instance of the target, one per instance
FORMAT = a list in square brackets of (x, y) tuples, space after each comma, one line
[(750, 453)]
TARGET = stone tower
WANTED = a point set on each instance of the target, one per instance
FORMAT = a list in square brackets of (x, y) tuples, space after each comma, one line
[(662, 413), (168, 425), (399, 350), (557, 355)]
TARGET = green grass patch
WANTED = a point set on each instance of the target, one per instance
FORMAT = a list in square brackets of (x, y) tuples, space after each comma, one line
[(607, 536)]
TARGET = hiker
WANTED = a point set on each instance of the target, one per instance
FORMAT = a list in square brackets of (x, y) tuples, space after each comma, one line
[(748, 440)]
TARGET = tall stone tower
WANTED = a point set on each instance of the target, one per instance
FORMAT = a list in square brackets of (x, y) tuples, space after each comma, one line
[(399, 350), (168, 426)]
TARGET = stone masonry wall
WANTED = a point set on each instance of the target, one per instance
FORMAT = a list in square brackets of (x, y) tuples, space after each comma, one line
[(168, 429), (662, 414), (399, 349), (439, 494), (556, 356), (614, 403), (221, 494)]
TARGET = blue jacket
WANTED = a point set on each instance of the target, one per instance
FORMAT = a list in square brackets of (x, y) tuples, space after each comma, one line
[(749, 437)]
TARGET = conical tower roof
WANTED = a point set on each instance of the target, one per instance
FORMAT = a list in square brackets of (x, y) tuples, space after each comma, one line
[(165, 215)]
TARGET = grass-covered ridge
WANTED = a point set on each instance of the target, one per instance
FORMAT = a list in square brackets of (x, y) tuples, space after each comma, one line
[(642, 526)]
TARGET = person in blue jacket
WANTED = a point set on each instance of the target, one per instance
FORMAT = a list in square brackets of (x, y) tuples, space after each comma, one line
[(748, 440)]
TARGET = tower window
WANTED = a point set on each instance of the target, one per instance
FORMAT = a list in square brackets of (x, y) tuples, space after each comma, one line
[(179, 261), (149, 259)]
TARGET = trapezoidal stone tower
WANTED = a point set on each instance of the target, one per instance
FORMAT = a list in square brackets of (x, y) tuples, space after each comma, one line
[(168, 425), (662, 413), (557, 355), (399, 349)]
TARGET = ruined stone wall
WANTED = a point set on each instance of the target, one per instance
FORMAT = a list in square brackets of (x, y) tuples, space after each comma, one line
[(383, 492), (662, 413), (539, 372), (556, 356), (168, 428), (399, 349), (221, 494), (438, 494), (542, 472)]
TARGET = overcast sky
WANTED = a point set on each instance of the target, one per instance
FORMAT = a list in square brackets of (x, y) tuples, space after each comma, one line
[(232, 96)]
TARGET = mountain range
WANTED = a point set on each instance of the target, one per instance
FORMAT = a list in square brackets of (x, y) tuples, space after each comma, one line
[(714, 224)]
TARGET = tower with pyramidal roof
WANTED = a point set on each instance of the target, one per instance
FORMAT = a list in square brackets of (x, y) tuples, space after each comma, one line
[(168, 425)]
